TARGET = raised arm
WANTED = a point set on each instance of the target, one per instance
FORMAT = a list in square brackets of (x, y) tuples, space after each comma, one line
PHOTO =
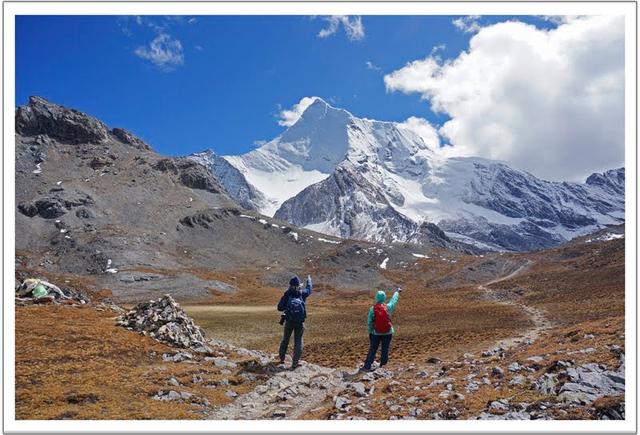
[(307, 290), (391, 305)]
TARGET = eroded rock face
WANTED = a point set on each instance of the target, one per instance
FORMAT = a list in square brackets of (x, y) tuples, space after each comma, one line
[(56, 204), (127, 137), (58, 122), (190, 174)]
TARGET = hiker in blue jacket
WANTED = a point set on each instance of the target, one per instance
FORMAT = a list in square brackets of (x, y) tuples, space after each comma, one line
[(292, 304), (380, 327)]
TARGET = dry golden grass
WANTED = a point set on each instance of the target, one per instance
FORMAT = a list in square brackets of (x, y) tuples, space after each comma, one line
[(75, 363), (427, 323)]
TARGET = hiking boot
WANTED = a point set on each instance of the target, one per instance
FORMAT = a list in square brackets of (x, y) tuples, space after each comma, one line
[(294, 366)]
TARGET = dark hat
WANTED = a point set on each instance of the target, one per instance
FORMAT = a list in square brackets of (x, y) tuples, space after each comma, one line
[(295, 281)]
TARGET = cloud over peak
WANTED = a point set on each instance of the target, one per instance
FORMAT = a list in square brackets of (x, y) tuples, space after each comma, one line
[(288, 117), (547, 101)]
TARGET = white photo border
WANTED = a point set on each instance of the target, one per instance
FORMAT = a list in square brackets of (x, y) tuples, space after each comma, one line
[(11, 9)]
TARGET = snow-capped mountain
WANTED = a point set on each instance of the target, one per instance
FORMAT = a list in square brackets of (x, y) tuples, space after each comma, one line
[(357, 178)]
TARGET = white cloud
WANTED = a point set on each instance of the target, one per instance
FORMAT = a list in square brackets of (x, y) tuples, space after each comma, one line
[(352, 25), (164, 52), (424, 129), (547, 101), (467, 24), (288, 117), (560, 19), (372, 66), (437, 48)]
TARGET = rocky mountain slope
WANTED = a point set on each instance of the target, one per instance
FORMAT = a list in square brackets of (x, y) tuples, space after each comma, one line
[(357, 178), (100, 203)]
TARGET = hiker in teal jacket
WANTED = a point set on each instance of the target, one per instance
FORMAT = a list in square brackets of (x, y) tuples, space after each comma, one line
[(377, 337)]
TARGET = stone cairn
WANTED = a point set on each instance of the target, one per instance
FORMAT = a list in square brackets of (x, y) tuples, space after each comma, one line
[(165, 321)]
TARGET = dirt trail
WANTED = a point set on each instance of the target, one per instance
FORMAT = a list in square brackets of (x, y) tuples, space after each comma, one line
[(536, 315)]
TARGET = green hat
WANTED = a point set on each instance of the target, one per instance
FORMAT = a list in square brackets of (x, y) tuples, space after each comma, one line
[(381, 296)]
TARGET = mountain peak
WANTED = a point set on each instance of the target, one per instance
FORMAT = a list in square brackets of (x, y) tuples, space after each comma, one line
[(319, 109)]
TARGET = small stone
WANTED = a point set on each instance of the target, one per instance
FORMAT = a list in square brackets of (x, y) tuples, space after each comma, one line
[(514, 367), (230, 393), (172, 395), (359, 389), (497, 372), (517, 380), (499, 405), (341, 402)]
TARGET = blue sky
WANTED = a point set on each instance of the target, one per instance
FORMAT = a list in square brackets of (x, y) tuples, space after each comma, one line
[(225, 79)]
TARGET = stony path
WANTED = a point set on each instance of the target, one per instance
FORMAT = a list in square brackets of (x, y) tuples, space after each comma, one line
[(536, 315), (287, 394)]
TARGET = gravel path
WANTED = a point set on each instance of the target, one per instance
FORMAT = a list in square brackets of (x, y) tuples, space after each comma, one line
[(536, 315)]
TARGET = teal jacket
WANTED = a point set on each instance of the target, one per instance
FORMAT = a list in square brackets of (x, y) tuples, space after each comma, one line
[(391, 305)]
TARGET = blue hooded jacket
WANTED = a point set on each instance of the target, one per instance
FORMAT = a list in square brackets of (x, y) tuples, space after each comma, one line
[(295, 292)]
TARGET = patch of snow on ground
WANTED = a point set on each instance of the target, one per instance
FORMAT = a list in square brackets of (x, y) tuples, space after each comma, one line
[(110, 269), (606, 237), (262, 221), (38, 169), (383, 265), (420, 255), (294, 235), (320, 239), (611, 236)]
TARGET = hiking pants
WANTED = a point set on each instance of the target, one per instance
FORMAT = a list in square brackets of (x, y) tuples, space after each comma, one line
[(374, 342), (297, 329)]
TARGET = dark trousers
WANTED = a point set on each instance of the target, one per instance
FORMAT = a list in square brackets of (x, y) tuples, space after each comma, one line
[(374, 342), (297, 329)]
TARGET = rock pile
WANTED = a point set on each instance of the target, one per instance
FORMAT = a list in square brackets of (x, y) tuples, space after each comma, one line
[(165, 321)]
